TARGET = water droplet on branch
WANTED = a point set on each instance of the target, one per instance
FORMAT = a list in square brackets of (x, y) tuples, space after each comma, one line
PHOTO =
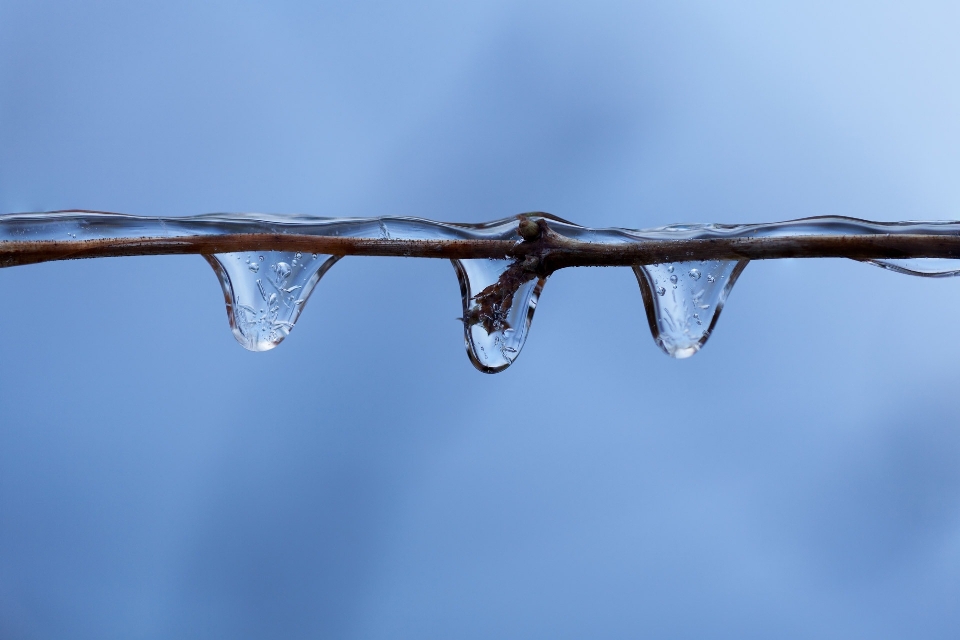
[(499, 298), (682, 318), (263, 309)]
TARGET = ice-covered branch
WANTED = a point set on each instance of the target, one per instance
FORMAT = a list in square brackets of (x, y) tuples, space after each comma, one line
[(552, 242), (268, 265)]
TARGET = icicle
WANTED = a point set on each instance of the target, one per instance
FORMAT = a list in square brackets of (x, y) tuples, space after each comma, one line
[(266, 291), (683, 300), (499, 298)]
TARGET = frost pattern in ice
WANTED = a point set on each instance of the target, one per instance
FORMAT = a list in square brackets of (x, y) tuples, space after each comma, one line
[(683, 300), (499, 298), (266, 291)]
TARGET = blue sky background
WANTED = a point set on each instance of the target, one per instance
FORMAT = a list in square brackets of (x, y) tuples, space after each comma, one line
[(798, 478)]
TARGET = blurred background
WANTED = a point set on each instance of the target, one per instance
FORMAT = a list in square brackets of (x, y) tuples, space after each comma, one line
[(798, 478)]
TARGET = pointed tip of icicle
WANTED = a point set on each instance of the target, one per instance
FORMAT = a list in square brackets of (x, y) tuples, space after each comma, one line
[(265, 292)]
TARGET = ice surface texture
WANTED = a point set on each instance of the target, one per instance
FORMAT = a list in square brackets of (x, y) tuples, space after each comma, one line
[(268, 265)]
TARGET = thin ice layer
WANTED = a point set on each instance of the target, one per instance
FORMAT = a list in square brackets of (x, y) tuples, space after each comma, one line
[(499, 298), (926, 267), (683, 300), (265, 292), (80, 226)]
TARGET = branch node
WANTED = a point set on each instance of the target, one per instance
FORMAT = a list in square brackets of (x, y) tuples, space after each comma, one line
[(528, 229)]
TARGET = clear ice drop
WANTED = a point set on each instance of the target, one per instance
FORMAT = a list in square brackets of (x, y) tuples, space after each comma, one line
[(499, 298), (682, 308), (266, 291)]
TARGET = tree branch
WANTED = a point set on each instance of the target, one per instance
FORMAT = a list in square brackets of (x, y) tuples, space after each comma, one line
[(538, 247)]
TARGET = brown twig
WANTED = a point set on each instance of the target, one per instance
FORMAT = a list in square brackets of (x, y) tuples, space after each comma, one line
[(542, 251)]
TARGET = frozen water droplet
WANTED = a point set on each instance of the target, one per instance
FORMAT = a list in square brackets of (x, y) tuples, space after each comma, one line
[(499, 298), (284, 289), (695, 274), (682, 319)]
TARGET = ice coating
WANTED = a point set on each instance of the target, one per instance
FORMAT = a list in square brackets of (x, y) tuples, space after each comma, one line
[(683, 300), (265, 292), (84, 226), (926, 267), (499, 299), (813, 226), (79, 226), (500, 286)]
